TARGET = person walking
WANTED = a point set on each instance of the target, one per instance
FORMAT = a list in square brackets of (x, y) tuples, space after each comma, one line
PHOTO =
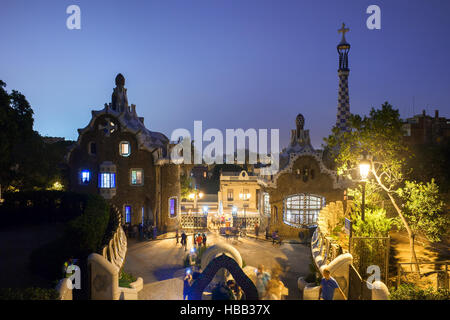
[(184, 240), (327, 286), (199, 240), (256, 230), (176, 235), (187, 283), (204, 239)]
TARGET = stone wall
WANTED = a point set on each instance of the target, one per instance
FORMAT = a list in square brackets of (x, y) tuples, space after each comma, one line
[(170, 187)]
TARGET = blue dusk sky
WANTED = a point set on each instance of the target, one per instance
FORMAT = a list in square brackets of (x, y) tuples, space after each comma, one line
[(230, 63)]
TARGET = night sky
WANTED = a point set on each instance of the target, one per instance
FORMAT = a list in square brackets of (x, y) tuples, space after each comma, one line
[(231, 63)]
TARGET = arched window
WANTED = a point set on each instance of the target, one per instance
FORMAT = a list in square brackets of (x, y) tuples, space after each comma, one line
[(302, 209)]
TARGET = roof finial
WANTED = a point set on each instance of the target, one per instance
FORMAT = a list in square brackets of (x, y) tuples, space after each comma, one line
[(343, 30)]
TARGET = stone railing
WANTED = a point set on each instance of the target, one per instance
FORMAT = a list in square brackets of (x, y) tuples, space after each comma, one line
[(116, 249), (104, 281), (327, 253)]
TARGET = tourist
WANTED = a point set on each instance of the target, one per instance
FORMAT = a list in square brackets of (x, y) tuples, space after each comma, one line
[(327, 286), (187, 283), (256, 229), (275, 237), (155, 232), (184, 240), (267, 232), (176, 235), (199, 240), (204, 239), (262, 278), (238, 294), (141, 232), (276, 288), (222, 292)]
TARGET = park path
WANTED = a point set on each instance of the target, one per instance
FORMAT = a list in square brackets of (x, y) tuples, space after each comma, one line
[(159, 260)]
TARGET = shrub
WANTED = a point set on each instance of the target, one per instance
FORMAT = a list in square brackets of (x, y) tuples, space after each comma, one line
[(28, 294), (83, 235), (411, 292), (125, 279)]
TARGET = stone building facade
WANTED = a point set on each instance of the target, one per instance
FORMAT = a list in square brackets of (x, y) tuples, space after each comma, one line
[(302, 186), (117, 157)]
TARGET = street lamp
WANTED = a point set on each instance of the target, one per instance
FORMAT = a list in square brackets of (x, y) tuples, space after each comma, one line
[(364, 170)]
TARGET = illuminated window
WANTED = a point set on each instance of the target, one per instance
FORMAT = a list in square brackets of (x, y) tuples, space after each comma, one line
[(85, 177), (124, 149), (302, 209), (230, 195), (127, 214), (107, 180), (173, 210), (137, 177)]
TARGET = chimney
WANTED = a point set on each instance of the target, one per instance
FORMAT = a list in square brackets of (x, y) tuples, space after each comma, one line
[(436, 114), (423, 113)]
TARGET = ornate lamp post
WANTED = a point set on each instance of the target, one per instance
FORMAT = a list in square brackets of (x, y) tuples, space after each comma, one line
[(364, 170)]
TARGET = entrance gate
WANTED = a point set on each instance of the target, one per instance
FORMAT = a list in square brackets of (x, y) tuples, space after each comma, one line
[(194, 220)]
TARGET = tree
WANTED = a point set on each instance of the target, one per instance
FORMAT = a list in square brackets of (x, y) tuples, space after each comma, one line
[(26, 162), (423, 209), (381, 136)]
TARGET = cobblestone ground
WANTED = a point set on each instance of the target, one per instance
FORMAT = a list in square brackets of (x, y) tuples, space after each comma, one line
[(160, 260)]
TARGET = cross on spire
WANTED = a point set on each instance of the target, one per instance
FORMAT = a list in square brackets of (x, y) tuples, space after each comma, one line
[(343, 30)]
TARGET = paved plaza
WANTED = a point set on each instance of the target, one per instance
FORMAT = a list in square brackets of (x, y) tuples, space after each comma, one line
[(160, 260)]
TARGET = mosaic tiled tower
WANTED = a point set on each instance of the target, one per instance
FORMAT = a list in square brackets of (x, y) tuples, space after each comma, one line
[(343, 112)]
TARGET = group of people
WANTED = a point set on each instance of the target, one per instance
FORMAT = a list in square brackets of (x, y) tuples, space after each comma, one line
[(199, 239), (144, 231), (229, 290), (269, 286)]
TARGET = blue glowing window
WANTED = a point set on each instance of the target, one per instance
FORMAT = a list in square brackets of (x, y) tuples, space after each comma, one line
[(127, 214), (173, 207), (107, 180), (85, 176)]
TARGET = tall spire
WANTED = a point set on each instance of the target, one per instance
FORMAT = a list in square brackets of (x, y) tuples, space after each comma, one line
[(343, 112)]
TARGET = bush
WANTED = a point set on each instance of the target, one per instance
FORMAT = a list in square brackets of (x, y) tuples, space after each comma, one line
[(83, 235), (28, 294), (40, 207), (411, 292), (125, 279)]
